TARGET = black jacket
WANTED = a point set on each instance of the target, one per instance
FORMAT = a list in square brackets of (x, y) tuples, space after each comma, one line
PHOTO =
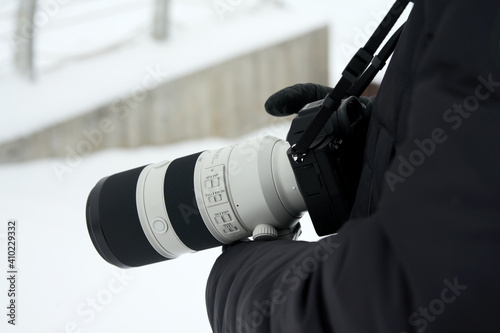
[(422, 250)]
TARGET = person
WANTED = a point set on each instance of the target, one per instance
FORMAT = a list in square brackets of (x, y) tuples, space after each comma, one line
[(421, 251)]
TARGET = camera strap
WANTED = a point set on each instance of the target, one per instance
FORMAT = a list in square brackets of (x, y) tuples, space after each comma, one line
[(355, 77)]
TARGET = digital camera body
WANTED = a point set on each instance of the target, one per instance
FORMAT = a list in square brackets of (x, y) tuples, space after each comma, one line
[(328, 175)]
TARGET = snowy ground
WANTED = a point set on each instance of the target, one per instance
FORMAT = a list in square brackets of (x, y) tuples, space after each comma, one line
[(63, 284)]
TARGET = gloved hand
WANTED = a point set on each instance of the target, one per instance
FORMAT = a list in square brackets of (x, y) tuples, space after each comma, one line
[(290, 100)]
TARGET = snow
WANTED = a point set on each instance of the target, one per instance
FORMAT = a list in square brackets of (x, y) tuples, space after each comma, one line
[(74, 89), (61, 276), (70, 81)]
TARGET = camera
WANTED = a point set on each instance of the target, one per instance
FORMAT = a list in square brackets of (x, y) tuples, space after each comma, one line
[(261, 187)]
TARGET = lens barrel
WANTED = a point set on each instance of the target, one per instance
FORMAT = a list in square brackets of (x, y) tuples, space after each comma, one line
[(113, 222), (161, 211)]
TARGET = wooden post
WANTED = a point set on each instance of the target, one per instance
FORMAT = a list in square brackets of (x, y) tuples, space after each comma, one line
[(160, 21), (25, 31)]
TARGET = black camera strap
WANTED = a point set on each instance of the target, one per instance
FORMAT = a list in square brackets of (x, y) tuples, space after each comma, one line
[(376, 65), (355, 77)]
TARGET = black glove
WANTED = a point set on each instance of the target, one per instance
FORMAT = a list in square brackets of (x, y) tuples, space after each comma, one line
[(290, 100)]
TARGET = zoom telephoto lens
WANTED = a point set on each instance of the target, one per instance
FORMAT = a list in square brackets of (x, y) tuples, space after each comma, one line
[(161, 211)]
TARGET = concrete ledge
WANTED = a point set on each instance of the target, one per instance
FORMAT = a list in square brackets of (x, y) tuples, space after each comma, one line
[(224, 100)]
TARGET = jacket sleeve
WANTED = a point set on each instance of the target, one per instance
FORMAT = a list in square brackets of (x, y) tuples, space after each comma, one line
[(427, 259)]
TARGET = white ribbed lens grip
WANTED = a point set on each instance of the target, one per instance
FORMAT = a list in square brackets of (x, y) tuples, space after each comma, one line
[(264, 232)]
